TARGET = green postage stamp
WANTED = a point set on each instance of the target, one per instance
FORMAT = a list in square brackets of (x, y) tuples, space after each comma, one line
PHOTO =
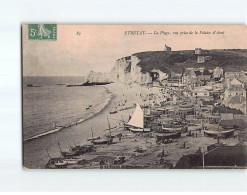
[(42, 32)]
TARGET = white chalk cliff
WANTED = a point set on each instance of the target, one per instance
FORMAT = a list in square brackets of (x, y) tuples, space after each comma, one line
[(126, 70)]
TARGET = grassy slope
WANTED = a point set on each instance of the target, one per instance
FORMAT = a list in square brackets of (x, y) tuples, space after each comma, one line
[(229, 60)]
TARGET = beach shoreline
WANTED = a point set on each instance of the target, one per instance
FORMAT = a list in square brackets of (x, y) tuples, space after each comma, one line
[(101, 109), (114, 91)]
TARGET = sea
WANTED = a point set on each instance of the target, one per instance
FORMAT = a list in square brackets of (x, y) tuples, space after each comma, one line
[(49, 105)]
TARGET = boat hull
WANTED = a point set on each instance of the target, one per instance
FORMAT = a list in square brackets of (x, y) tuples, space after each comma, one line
[(139, 130), (226, 133), (168, 136), (100, 142), (61, 164), (71, 161), (69, 154), (94, 138), (113, 112), (171, 130)]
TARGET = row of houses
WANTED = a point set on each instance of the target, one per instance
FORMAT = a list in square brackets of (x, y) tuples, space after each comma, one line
[(235, 95)]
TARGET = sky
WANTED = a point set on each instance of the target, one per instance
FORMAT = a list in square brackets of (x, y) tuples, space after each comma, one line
[(82, 48)]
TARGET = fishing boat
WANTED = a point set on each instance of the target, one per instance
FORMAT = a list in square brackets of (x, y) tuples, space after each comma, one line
[(162, 137), (61, 164), (171, 127), (86, 148), (102, 141), (71, 161), (136, 123), (107, 139), (113, 112), (186, 107), (75, 148), (93, 138), (67, 154), (218, 133)]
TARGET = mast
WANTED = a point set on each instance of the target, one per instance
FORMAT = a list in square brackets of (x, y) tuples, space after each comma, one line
[(59, 147), (74, 143), (122, 119), (218, 136), (144, 108), (70, 145), (48, 153), (109, 126), (203, 159), (92, 131)]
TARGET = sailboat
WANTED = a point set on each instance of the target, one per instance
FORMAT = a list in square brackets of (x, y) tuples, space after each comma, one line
[(67, 154), (107, 140), (93, 138), (136, 122)]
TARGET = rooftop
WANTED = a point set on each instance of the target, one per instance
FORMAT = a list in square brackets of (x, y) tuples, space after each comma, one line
[(236, 100), (236, 88)]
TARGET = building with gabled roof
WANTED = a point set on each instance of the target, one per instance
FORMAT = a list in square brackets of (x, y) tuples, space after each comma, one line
[(235, 96)]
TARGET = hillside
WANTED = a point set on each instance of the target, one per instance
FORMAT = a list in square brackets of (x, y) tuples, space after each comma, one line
[(142, 67), (229, 60)]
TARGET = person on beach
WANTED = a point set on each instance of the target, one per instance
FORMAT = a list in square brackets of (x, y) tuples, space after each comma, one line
[(120, 136), (163, 153)]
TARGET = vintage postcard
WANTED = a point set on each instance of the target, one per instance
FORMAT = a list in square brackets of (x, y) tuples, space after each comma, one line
[(134, 96)]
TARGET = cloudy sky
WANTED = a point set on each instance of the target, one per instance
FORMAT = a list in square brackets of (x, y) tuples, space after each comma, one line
[(98, 46)]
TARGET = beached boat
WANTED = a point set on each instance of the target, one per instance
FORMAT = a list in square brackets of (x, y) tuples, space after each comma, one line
[(185, 107), (168, 136), (71, 161), (218, 133), (113, 112), (68, 154), (93, 138), (107, 140), (171, 128), (61, 164), (76, 148), (103, 141), (140, 130), (79, 150), (126, 127), (136, 123)]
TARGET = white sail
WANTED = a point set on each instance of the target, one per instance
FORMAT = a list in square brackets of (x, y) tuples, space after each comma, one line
[(137, 119)]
